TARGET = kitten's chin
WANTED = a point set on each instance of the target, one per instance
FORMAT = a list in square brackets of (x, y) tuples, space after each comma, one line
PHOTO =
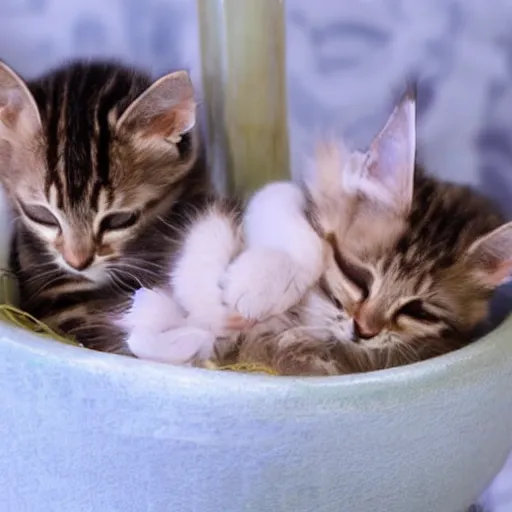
[(382, 341)]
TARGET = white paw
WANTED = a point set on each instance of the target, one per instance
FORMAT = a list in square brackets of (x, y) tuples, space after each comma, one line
[(152, 309), (261, 283), (218, 320), (210, 245), (180, 346)]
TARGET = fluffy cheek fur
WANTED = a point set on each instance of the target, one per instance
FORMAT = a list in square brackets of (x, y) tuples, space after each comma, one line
[(464, 295), (329, 322), (323, 319), (320, 341)]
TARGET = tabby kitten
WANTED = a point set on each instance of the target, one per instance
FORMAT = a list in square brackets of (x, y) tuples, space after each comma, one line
[(100, 165), (401, 268)]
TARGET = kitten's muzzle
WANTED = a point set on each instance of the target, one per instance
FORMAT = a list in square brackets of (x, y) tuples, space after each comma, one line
[(78, 261), (362, 332)]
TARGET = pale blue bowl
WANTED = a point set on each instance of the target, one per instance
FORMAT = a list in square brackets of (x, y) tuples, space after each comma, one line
[(84, 431)]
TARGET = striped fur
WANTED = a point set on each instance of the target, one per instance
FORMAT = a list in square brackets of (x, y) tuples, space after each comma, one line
[(422, 256), (82, 159), (411, 264)]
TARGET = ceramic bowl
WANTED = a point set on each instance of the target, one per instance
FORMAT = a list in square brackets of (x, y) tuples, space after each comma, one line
[(86, 431)]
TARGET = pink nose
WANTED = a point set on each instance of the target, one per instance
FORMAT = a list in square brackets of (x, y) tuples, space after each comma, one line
[(362, 331), (77, 260)]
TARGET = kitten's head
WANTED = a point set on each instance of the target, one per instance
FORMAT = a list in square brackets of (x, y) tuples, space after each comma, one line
[(92, 152), (412, 261)]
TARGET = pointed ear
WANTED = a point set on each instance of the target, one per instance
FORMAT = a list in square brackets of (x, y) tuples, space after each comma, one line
[(19, 115), (388, 173), (492, 256), (166, 109)]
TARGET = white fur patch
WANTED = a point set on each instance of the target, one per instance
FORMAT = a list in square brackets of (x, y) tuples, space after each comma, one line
[(180, 327), (175, 346), (153, 309), (283, 259), (262, 282), (209, 248), (283, 256), (97, 272), (325, 320), (158, 330)]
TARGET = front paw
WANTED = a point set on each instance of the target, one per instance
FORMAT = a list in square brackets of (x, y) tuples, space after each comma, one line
[(261, 283), (152, 309), (179, 346), (222, 323)]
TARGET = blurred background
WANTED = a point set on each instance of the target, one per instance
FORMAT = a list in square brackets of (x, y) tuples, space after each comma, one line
[(346, 64), (346, 61)]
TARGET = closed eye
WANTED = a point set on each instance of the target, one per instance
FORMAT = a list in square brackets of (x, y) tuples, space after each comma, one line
[(358, 275), (119, 220), (416, 310), (40, 215), (329, 294)]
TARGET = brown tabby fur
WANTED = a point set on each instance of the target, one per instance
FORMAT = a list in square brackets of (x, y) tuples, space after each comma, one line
[(443, 223), (63, 144), (405, 280)]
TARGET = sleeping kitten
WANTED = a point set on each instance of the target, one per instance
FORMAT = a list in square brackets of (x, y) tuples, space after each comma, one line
[(402, 267), (101, 166)]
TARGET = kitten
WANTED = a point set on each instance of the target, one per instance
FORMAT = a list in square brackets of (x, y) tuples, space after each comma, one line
[(101, 166), (402, 267)]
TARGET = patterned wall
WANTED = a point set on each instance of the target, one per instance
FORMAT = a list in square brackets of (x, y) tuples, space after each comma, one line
[(347, 61)]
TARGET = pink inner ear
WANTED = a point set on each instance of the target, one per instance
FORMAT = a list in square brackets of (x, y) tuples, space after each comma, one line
[(391, 157), (495, 275), (492, 256), (18, 115), (501, 274), (10, 108), (173, 123)]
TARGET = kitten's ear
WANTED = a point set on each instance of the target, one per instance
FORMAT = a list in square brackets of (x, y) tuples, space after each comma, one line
[(492, 256), (388, 174), (19, 115), (166, 109)]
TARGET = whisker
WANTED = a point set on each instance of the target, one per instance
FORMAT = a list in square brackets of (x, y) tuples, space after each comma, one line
[(118, 283), (181, 227), (44, 287), (42, 276), (137, 269), (407, 350), (142, 262), (122, 272)]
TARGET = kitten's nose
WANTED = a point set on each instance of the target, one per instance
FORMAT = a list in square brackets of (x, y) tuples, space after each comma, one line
[(363, 332), (78, 260)]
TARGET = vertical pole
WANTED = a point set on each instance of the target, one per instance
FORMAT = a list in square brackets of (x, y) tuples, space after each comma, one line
[(243, 66)]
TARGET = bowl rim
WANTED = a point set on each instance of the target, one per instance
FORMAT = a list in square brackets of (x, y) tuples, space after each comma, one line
[(484, 354)]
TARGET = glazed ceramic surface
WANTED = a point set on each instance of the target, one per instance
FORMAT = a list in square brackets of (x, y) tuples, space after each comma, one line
[(85, 431)]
